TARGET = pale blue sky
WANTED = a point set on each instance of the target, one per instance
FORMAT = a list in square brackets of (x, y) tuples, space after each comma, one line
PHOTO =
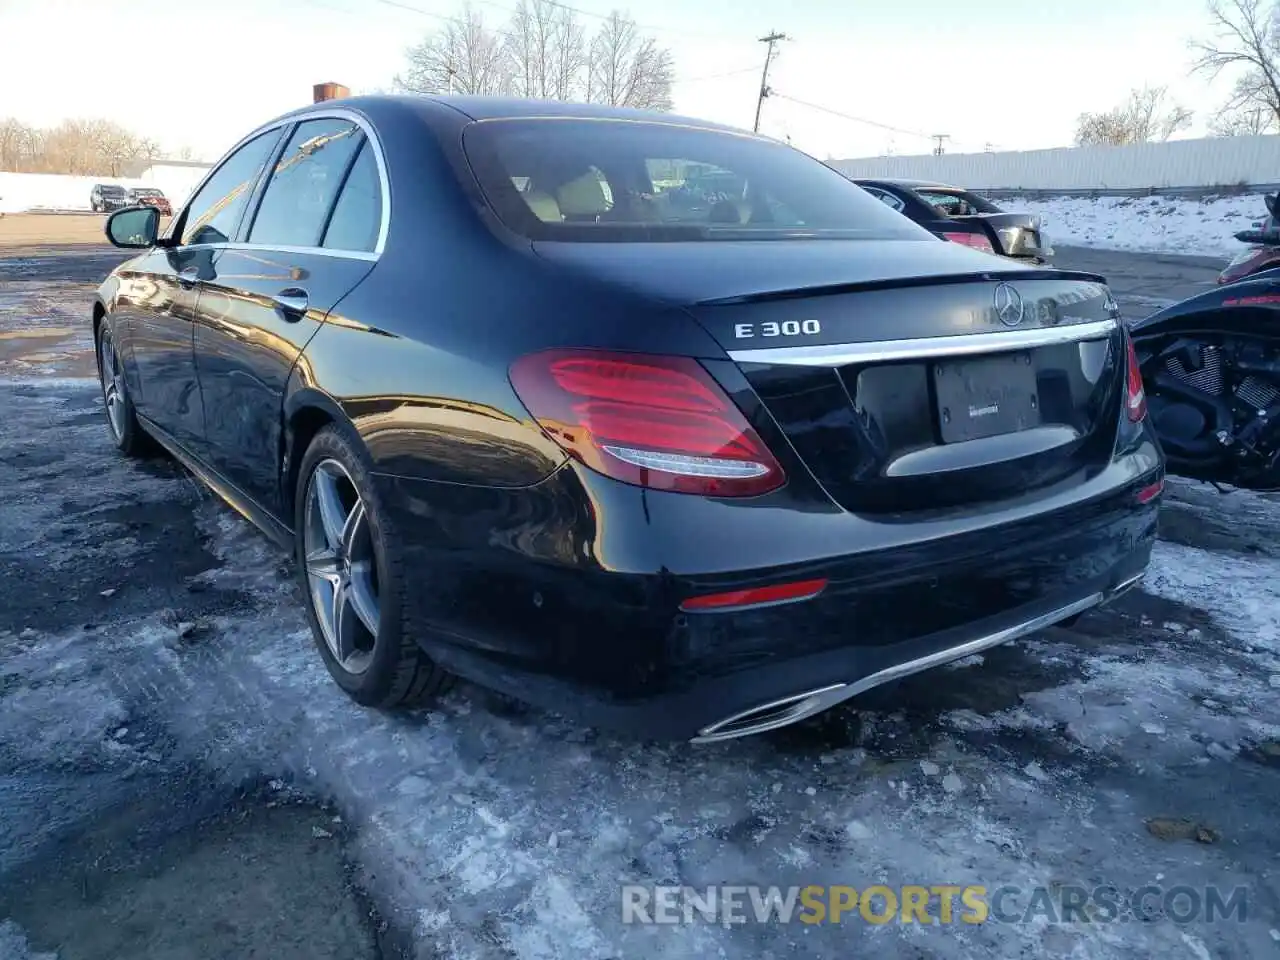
[(202, 72)]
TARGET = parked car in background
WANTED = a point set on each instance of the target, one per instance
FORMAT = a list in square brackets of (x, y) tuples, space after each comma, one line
[(105, 197), (1263, 252), (151, 197), (524, 418), (962, 216)]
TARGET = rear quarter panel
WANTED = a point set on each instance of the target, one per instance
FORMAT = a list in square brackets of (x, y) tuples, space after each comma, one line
[(417, 358)]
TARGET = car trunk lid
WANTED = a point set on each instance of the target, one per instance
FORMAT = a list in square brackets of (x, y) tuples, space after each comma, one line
[(919, 395), (907, 375), (1014, 234)]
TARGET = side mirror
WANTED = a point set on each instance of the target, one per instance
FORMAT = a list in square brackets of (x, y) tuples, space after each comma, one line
[(1271, 203), (134, 227)]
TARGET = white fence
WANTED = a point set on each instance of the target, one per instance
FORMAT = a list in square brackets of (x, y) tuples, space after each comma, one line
[(21, 192), (1179, 165)]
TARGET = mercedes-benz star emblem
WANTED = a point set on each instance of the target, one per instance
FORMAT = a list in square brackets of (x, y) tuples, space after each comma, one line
[(1009, 306)]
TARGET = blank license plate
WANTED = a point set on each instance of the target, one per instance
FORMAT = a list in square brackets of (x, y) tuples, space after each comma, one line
[(986, 397)]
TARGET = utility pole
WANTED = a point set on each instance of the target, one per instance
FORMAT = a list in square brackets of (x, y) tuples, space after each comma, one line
[(453, 74), (939, 150), (771, 39)]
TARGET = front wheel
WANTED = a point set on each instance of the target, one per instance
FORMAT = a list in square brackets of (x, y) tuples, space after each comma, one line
[(353, 579)]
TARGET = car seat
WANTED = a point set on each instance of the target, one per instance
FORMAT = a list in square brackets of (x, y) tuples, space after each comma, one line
[(543, 205), (583, 198)]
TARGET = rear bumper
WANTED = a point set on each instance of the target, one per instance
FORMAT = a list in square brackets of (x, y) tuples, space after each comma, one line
[(569, 598)]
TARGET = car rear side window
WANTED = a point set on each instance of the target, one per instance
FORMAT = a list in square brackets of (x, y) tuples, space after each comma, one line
[(888, 199), (304, 183), (357, 216), (622, 180), (214, 212)]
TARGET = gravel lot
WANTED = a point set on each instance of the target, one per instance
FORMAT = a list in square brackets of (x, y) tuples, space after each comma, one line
[(179, 778)]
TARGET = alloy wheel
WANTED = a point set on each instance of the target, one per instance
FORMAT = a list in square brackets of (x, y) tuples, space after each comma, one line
[(112, 385), (341, 566)]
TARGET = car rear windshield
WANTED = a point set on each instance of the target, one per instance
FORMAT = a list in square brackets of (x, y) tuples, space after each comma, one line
[(589, 180), (956, 203)]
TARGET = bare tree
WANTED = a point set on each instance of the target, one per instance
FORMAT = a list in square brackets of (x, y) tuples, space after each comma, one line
[(465, 57), (86, 147), (19, 145), (547, 49), (115, 146), (1245, 122), (543, 53), (627, 69), (1142, 118), (1247, 43)]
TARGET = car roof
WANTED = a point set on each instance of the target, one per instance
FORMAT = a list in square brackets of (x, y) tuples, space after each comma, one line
[(909, 184), (509, 108)]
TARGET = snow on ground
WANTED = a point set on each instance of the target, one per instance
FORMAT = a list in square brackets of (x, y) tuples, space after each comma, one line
[(1147, 224), (492, 830), (151, 642)]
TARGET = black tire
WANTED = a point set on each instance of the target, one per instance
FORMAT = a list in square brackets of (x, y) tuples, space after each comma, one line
[(126, 432), (398, 672)]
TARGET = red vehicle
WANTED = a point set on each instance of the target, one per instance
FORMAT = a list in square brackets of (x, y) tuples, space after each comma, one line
[(151, 197), (1263, 252)]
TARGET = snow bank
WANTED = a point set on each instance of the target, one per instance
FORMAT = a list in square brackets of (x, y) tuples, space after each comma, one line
[(1148, 224), (23, 192)]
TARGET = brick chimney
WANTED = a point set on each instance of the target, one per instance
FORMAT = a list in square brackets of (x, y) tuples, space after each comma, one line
[(329, 91)]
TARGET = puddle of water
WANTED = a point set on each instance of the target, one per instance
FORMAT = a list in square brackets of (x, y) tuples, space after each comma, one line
[(40, 333)]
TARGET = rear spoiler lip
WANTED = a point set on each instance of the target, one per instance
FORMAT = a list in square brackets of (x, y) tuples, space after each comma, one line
[(958, 345), (861, 286)]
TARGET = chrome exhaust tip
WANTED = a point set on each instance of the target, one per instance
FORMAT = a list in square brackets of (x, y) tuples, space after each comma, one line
[(775, 714), (1124, 586)]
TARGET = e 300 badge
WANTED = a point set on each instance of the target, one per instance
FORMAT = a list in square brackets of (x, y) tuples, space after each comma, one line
[(787, 328)]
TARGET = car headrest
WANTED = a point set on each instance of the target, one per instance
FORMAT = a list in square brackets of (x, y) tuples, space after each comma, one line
[(543, 205), (582, 197)]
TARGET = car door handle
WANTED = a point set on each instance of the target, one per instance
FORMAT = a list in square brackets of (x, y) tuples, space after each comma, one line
[(292, 302), (189, 276)]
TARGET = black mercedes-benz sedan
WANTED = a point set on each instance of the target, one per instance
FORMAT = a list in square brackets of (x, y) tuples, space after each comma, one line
[(534, 405)]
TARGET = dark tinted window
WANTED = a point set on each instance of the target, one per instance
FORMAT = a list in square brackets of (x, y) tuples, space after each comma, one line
[(304, 183), (214, 212), (357, 217), (585, 180)]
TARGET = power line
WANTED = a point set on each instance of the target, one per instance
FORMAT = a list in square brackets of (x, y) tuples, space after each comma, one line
[(771, 39), (715, 76), (987, 147), (849, 116)]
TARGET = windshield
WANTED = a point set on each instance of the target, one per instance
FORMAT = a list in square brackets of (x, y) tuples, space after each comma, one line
[(609, 180)]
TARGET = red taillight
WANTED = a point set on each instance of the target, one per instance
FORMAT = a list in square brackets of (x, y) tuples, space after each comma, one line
[(977, 241), (756, 596), (1149, 493), (654, 421), (1135, 396)]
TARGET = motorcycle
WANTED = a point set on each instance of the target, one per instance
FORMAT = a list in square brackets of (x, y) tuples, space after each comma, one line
[(1211, 370), (1264, 250)]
